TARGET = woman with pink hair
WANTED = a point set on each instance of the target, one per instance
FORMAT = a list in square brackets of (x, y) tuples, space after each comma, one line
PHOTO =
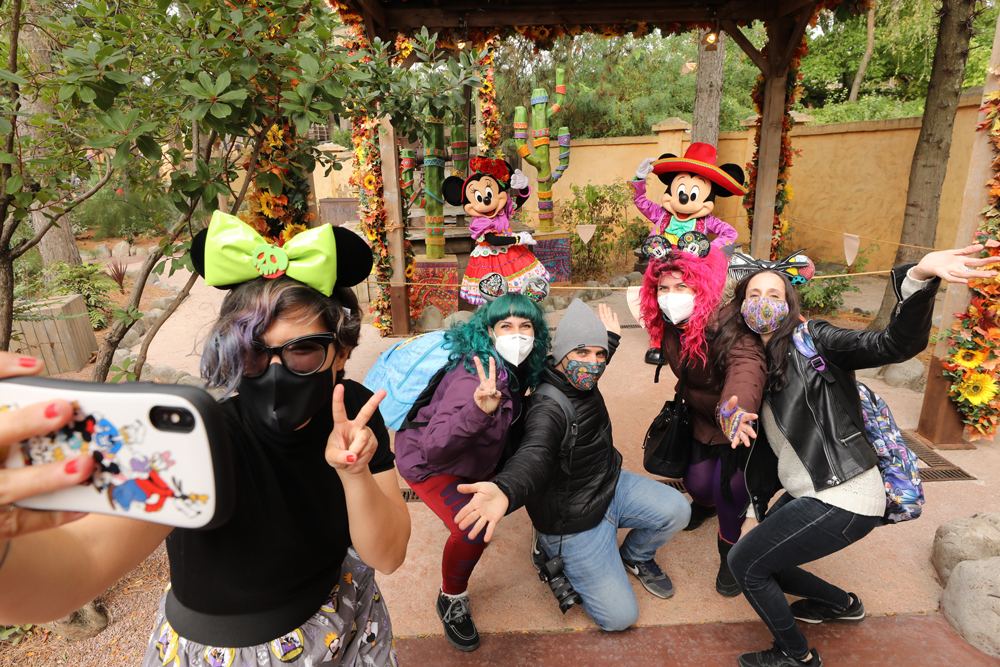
[(679, 303)]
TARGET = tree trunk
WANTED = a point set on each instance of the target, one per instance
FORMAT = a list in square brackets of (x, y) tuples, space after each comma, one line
[(6, 299), (708, 92), (869, 47), (930, 158), (58, 245)]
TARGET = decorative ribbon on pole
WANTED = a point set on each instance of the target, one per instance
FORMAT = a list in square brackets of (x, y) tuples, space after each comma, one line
[(851, 244), (586, 232)]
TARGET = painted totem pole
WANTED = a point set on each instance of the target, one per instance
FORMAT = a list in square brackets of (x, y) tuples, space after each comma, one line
[(541, 113), (408, 163), (459, 146)]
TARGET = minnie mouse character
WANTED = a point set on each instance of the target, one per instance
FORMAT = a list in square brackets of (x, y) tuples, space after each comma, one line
[(693, 182), (486, 198)]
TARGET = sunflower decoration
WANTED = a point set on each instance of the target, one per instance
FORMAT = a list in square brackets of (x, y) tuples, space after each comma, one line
[(370, 183), (289, 231), (978, 388), (970, 359)]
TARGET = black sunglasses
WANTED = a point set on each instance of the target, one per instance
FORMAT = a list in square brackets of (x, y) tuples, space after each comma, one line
[(301, 356)]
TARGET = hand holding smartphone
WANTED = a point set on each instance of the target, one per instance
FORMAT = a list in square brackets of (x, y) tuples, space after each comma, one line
[(160, 452)]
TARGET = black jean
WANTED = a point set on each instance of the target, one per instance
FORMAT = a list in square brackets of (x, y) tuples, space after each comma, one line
[(765, 561)]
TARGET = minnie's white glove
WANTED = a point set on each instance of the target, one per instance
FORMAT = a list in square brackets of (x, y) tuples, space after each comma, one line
[(524, 238), (645, 169), (518, 181)]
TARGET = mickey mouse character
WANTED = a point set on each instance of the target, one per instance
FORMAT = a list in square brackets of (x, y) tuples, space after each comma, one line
[(486, 197), (693, 182)]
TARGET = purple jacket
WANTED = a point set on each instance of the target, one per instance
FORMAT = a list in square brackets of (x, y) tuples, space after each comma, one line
[(660, 217), (459, 439)]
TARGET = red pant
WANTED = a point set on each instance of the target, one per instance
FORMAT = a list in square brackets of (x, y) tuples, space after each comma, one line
[(460, 553)]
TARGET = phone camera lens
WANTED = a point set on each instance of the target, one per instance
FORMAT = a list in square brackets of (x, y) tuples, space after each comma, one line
[(176, 420)]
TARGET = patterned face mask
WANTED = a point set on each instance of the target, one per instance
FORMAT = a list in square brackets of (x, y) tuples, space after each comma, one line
[(584, 375), (764, 315)]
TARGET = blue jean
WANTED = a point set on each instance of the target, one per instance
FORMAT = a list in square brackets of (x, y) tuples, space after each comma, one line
[(593, 564), (765, 561)]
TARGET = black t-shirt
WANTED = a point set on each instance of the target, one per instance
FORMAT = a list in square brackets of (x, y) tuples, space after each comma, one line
[(273, 564)]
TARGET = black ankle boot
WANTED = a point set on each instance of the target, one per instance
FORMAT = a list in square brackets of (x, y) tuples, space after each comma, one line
[(653, 356), (698, 515), (725, 582)]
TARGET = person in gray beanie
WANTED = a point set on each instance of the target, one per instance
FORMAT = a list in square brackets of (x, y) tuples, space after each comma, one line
[(570, 486)]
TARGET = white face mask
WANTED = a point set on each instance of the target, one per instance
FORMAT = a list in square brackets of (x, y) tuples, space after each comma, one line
[(678, 307), (514, 348)]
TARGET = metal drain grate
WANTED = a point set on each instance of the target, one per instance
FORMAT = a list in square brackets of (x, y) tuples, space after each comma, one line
[(944, 475), (410, 496), (631, 326), (941, 469), (676, 483)]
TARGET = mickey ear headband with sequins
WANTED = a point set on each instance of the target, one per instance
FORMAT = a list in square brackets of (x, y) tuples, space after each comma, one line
[(797, 267), (493, 286), (694, 243)]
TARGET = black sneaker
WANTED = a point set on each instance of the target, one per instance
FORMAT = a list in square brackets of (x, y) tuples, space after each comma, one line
[(776, 657), (698, 515), (814, 611), (653, 579), (459, 629), (538, 556)]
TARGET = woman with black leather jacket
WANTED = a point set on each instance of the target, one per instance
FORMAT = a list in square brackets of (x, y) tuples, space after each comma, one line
[(809, 445)]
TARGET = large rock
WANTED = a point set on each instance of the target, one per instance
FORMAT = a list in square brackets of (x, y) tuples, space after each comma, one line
[(131, 339), (560, 302), (102, 251), (618, 281), (164, 374), (140, 326), (971, 603), (959, 540), (191, 381), (635, 278), (583, 295), (84, 623), (431, 318), (162, 303), (119, 356), (906, 374), (152, 317), (456, 317), (869, 372), (606, 289), (141, 252), (121, 249)]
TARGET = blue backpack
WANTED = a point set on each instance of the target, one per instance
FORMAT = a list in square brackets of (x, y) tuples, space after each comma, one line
[(904, 493), (409, 371)]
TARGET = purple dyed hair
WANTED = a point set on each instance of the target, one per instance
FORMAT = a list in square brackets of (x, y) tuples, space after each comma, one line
[(250, 309)]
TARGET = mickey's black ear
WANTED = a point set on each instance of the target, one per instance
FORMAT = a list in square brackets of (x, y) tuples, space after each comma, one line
[(665, 156), (354, 258), (453, 191), (735, 172), (198, 251)]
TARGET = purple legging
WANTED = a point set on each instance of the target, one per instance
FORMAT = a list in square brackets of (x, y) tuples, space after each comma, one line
[(704, 482)]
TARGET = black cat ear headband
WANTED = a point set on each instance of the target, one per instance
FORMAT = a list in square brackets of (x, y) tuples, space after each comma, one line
[(493, 286), (797, 267), (694, 243)]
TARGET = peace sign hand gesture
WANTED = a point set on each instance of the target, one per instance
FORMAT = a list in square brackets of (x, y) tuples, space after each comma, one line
[(487, 397), (352, 444)]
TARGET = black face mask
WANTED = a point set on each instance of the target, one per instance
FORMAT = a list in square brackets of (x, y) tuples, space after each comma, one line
[(285, 401)]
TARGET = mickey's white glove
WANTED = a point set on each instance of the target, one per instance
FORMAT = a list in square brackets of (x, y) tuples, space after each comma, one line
[(524, 238), (518, 181), (645, 169)]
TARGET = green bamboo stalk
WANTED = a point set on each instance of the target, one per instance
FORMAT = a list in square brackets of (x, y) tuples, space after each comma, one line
[(459, 147), (407, 158), (433, 179)]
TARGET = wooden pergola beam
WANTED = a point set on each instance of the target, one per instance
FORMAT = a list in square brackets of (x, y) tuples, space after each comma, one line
[(395, 228), (741, 40)]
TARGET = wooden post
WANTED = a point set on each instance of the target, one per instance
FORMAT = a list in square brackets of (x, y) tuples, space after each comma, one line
[(395, 229), (939, 420)]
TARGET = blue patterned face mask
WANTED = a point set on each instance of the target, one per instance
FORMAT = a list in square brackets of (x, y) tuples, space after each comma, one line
[(584, 375)]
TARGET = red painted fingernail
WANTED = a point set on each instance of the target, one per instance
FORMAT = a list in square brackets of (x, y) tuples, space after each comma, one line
[(51, 411), (72, 467), (27, 362), (351, 458)]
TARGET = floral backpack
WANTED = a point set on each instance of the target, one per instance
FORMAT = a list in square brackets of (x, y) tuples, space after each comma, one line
[(904, 493)]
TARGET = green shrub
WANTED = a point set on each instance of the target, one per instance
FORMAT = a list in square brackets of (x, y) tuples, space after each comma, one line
[(826, 296), (615, 236), (88, 280), (125, 215)]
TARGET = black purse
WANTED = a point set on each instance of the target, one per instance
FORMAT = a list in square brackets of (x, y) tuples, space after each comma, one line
[(666, 451)]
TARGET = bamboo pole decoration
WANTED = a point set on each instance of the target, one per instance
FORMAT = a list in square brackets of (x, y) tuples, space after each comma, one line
[(541, 113), (459, 147), (433, 179), (408, 165)]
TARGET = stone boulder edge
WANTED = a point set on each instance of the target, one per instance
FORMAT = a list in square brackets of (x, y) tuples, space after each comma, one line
[(968, 538), (971, 603)]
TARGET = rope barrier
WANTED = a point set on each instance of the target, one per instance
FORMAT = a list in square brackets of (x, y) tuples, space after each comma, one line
[(867, 238)]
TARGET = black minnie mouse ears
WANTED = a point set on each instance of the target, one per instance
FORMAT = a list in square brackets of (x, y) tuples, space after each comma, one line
[(493, 286), (797, 267), (694, 243)]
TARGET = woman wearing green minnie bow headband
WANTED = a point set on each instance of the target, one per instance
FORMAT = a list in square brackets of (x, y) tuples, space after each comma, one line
[(317, 506)]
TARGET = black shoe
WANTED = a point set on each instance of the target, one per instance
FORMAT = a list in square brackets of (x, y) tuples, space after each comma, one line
[(652, 578), (653, 356), (725, 582), (776, 657), (459, 629), (538, 557), (698, 515), (814, 611)]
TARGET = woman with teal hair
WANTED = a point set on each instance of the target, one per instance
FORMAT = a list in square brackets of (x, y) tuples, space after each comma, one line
[(495, 358)]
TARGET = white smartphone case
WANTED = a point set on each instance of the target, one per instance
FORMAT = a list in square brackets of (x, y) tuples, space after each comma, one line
[(143, 472)]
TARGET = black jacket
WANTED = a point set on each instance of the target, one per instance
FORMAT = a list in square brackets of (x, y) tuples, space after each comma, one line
[(812, 416), (564, 494)]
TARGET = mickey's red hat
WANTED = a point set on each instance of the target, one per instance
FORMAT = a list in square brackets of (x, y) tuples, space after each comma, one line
[(701, 159)]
